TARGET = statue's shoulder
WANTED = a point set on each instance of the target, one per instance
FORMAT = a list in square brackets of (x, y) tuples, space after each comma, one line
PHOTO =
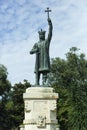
[(36, 44)]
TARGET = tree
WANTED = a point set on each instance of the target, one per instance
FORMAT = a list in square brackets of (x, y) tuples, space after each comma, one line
[(69, 78), (5, 87), (11, 101), (78, 90)]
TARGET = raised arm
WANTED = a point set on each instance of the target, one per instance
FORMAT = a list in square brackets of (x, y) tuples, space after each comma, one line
[(50, 29)]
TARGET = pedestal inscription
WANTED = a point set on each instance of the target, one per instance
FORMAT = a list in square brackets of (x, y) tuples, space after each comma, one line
[(38, 106)]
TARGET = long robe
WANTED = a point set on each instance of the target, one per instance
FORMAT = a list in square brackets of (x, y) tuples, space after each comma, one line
[(42, 56), (42, 53)]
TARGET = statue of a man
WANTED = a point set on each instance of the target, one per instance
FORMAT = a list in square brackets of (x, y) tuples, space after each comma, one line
[(41, 48)]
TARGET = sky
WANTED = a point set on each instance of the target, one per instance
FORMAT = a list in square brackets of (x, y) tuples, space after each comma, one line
[(20, 21)]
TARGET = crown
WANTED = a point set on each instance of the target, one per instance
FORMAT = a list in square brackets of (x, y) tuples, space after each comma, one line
[(41, 32)]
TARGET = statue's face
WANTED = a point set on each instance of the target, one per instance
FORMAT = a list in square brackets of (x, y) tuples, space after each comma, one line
[(42, 37)]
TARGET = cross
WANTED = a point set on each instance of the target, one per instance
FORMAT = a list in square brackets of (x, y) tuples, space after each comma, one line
[(48, 12)]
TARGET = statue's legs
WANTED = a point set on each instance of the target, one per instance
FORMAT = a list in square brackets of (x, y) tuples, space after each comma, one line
[(44, 78), (37, 78)]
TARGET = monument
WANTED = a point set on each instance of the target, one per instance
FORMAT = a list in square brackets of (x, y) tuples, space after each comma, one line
[(40, 100), (41, 48)]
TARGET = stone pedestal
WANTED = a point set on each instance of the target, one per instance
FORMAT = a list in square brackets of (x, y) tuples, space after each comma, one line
[(40, 108)]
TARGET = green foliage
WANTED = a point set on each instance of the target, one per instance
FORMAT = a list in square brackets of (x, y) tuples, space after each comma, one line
[(11, 101), (5, 87), (4, 83), (69, 78)]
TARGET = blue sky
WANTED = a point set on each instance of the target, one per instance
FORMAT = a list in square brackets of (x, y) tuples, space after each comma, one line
[(20, 21)]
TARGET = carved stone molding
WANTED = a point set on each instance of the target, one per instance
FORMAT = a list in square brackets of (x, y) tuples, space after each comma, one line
[(41, 121)]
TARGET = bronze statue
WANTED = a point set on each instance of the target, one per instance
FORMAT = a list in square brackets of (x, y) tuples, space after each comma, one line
[(41, 48)]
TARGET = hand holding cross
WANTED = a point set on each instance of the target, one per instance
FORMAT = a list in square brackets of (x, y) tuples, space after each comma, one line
[(48, 12)]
